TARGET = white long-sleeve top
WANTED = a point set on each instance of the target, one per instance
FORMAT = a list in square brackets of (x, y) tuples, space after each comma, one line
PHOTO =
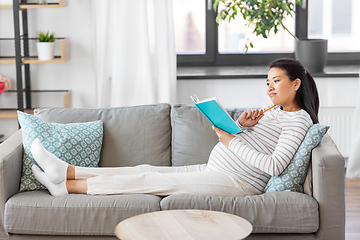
[(263, 150)]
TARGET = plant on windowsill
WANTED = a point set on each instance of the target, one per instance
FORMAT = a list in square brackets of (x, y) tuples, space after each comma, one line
[(46, 45), (265, 16)]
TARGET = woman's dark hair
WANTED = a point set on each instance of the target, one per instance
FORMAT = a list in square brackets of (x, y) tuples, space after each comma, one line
[(307, 96)]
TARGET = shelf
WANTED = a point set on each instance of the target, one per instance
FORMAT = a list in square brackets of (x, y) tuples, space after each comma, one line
[(11, 111), (62, 3), (64, 56), (7, 60)]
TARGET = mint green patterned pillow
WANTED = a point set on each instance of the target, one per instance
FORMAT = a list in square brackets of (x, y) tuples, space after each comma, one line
[(78, 144), (293, 177)]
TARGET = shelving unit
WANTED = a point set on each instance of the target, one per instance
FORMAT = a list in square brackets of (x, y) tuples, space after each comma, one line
[(61, 3), (23, 56)]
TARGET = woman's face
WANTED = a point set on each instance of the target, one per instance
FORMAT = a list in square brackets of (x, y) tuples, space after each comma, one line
[(282, 90)]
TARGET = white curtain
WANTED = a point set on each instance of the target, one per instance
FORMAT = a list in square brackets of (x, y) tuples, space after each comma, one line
[(353, 163), (135, 58)]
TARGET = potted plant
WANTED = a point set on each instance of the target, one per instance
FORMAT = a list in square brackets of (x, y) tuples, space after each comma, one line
[(45, 46), (265, 16)]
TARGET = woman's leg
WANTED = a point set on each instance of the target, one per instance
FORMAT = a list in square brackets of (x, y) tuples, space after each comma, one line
[(76, 186), (204, 182), (86, 173), (58, 170)]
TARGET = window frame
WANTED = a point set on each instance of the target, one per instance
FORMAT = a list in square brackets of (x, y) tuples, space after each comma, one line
[(210, 42), (212, 57)]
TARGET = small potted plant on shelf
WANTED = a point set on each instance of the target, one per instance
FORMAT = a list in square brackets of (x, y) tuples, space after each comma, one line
[(46, 45), (265, 16)]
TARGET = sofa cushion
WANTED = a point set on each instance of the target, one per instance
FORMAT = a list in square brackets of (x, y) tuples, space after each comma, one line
[(293, 177), (192, 135), (132, 135), (277, 212), (37, 212), (76, 143)]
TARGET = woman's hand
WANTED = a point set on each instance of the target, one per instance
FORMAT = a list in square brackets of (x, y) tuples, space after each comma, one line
[(224, 137), (250, 117)]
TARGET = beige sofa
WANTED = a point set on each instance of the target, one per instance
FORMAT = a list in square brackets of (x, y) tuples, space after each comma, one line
[(164, 135)]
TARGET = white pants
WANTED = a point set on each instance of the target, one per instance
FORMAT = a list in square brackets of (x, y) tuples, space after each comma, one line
[(147, 179)]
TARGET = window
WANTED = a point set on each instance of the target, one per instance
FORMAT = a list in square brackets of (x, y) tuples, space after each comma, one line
[(199, 41), (189, 19), (335, 21)]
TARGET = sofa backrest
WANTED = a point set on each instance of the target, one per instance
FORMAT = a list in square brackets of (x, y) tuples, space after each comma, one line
[(132, 135), (157, 134), (192, 135)]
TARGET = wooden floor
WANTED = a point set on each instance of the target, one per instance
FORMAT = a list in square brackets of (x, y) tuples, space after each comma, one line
[(352, 200)]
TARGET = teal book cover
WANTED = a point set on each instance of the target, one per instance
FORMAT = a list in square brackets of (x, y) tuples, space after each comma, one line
[(216, 114)]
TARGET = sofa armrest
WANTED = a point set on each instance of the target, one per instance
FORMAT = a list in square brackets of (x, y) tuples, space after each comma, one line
[(328, 189), (11, 152)]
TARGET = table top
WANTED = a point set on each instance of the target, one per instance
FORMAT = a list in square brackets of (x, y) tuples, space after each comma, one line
[(187, 224)]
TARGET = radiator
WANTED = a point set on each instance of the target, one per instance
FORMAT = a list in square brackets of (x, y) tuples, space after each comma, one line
[(341, 122)]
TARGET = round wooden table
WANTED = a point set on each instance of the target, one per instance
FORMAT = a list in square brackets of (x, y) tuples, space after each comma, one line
[(184, 225)]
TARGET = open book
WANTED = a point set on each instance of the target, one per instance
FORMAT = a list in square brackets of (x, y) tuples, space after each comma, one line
[(216, 114)]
